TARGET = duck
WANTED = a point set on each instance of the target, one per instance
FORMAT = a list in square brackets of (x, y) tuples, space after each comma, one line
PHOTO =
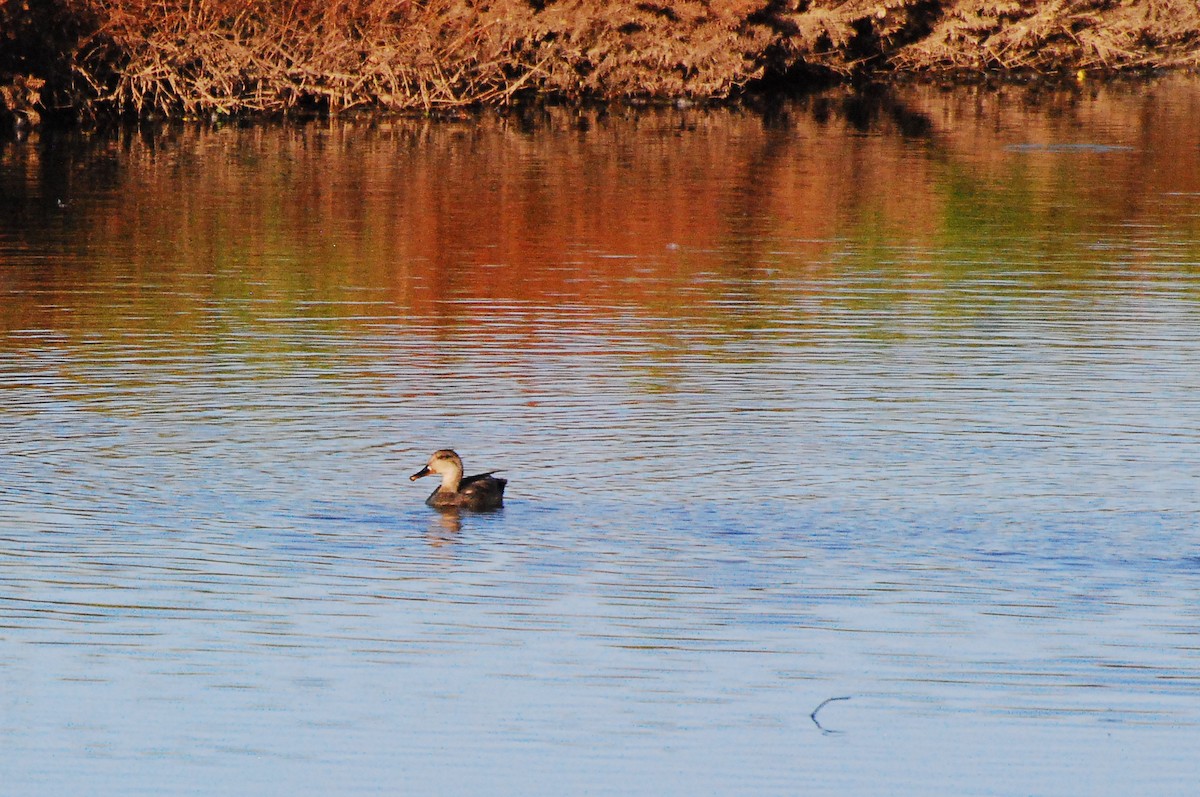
[(481, 492)]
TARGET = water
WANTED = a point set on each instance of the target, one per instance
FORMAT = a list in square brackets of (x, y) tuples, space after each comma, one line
[(895, 400)]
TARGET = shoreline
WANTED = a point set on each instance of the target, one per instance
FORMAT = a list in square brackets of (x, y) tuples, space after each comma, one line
[(172, 59)]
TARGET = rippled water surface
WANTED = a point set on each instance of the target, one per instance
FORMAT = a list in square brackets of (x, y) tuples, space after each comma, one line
[(892, 399)]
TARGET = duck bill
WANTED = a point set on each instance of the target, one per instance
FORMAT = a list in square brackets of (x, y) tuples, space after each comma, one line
[(422, 472)]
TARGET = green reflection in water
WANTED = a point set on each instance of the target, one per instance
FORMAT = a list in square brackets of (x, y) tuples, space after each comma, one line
[(688, 226)]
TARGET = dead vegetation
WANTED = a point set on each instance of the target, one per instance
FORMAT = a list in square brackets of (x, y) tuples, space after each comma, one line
[(20, 101), (1084, 34), (218, 57), (228, 55)]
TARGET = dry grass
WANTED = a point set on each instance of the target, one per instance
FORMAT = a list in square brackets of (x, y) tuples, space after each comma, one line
[(20, 101), (1063, 34), (201, 56), (204, 57)]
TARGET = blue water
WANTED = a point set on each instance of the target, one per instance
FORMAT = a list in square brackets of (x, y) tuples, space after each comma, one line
[(954, 481)]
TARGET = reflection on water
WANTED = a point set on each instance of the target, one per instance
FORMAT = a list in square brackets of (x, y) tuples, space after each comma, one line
[(893, 399)]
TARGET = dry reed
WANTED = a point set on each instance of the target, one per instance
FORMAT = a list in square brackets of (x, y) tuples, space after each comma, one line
[(205, 57), (1064, 34)]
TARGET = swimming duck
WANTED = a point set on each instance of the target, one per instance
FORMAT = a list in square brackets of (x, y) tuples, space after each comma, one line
[(480, 492)]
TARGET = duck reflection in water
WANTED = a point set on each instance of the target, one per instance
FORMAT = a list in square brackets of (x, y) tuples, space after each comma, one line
[(481, 492), (444, 527)]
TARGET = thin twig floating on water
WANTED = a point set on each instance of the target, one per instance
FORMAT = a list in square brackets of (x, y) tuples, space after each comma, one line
[(813, 715)]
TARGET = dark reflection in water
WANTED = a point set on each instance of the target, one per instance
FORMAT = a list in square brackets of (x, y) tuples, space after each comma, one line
[(893, 399)]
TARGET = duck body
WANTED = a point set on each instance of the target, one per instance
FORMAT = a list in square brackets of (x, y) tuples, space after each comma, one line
[(481, 492)]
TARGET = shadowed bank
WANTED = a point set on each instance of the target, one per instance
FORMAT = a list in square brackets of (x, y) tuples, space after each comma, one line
[(221, 57)]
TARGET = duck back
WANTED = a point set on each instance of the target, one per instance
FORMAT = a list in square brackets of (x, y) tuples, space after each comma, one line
[(480, 492)]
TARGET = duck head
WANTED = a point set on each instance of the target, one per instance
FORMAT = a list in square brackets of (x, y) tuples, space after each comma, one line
[(447, 464)]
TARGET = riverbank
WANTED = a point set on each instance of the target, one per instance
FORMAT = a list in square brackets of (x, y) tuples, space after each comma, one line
[(190, 58)]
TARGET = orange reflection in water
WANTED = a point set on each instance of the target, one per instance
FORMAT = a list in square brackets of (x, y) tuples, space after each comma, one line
[(651, 211)]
